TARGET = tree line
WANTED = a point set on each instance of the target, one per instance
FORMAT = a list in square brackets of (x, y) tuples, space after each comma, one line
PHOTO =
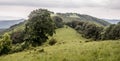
[(95, 32)]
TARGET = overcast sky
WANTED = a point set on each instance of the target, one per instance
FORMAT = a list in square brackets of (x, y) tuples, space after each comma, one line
[(13, 9)]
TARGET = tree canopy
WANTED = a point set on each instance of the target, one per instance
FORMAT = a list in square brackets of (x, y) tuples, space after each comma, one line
[(39, 26)]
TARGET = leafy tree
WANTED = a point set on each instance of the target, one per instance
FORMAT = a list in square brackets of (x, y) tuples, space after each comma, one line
[(92, 31), (39, 27)]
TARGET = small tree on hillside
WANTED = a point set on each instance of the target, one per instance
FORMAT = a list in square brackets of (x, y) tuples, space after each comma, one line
[(39, 27)]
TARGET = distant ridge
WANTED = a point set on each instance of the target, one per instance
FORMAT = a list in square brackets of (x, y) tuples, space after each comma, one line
[(67, 17), (112, 21), (7, 23)]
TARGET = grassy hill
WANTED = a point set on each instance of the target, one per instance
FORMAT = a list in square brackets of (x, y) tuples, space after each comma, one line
[(68, 17), (70, 46)]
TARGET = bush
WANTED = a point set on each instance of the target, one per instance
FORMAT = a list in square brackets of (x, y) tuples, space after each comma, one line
[(19, 47), (17, 37), (16, 48), (52, 41), (112, 32), (5, 44), (87, 29)]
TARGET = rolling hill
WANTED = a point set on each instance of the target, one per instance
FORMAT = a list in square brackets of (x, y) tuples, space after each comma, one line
[(67, 17)]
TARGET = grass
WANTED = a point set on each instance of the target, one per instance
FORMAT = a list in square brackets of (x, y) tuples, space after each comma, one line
[(70, 46)]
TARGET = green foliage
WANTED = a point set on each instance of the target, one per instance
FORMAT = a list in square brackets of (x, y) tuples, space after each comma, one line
[(92, 31), (95, 32), (5, 44), (17, 37), (112, 32), (19, 47), (87, 29), (39, 27)]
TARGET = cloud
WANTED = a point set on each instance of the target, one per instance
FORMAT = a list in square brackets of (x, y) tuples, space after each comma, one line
[(56, 3), (114, 4), (98, 8)]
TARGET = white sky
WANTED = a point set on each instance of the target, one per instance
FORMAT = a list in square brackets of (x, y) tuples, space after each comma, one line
[(14, 9)]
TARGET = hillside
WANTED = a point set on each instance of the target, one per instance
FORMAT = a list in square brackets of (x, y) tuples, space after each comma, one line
[(68, 17), (70, 46)]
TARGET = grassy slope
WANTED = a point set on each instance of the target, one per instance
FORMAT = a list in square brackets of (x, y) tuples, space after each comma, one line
[(70, 47)]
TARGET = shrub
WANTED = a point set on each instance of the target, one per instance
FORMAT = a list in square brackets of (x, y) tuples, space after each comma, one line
[(112, 32), (5, 44), (17, 37), (41, 50), (52, 41), (19, 47), (87, 29)]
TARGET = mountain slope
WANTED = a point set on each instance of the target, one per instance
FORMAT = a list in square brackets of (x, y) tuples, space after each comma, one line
[(70, 46), (67, 17)]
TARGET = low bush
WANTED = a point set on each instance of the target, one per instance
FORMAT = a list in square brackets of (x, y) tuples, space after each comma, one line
[(19, 47), (17, 37), (52, 41)]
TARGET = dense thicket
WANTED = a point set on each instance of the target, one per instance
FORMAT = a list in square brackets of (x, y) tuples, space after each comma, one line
[(87, 29), (112, 32), (95, 32)]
